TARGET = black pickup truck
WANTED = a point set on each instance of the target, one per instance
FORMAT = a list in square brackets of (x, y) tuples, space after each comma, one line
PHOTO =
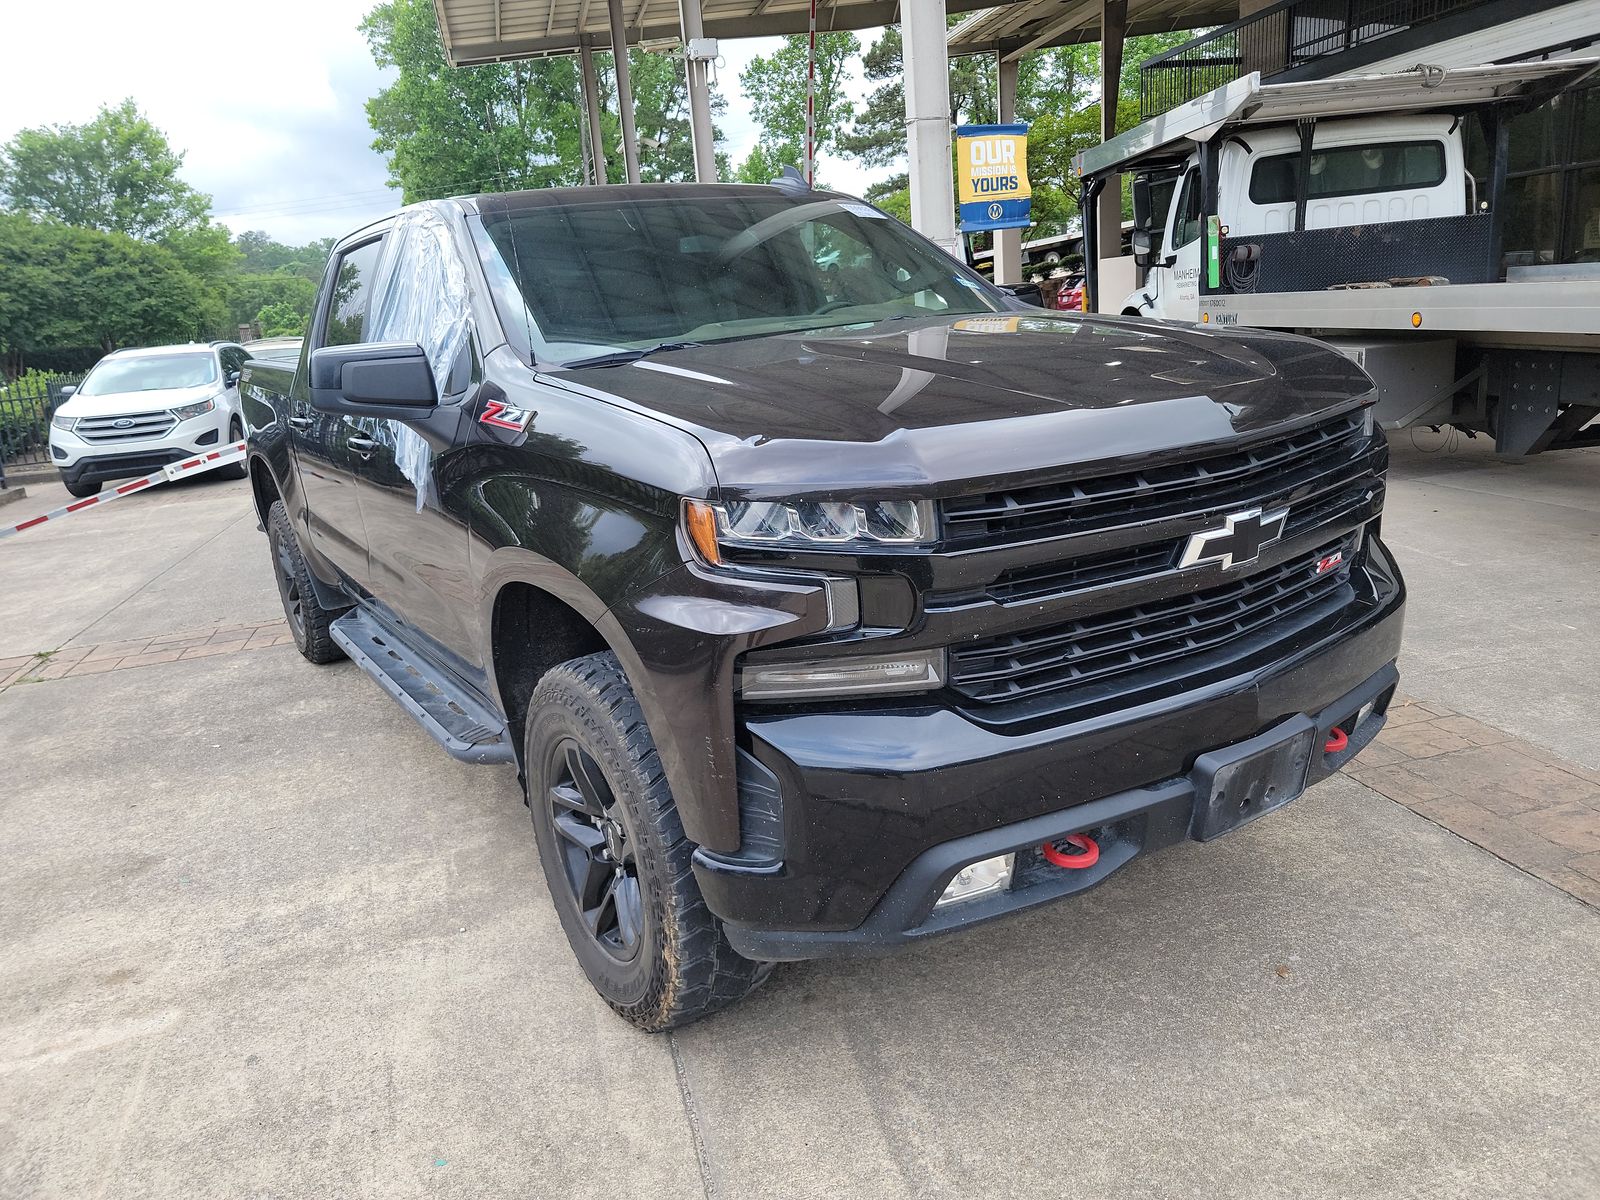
[(825, 597)]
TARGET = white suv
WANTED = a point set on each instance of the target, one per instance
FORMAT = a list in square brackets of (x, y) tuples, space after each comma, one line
[(139, 410)]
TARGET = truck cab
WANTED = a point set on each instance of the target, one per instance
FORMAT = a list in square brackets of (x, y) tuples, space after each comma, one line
[(1360, 172), (1438, 225)]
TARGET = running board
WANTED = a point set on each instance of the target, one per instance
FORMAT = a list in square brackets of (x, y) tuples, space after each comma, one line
[(460, 724)]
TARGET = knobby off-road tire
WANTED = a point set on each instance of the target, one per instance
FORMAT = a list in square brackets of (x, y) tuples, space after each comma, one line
[(307, 619), (615, 856)]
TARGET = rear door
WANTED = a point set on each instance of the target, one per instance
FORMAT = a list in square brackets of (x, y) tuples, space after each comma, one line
[(330, 447)]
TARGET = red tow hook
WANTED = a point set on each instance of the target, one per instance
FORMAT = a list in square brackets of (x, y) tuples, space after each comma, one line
[(1089, 852), (1338, 739)]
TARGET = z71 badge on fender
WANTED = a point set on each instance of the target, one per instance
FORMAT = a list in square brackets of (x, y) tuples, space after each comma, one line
[(496, 413)]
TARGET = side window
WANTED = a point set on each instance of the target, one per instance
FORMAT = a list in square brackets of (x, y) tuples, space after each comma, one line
[(233, 359), (1350, 171), (1186, 225), (347, 310)]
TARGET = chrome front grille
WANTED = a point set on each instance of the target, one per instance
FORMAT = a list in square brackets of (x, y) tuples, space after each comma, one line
[(1144, 639), (125, 427)]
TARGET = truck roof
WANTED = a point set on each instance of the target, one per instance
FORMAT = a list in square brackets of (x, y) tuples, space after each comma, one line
[(1248, 101)]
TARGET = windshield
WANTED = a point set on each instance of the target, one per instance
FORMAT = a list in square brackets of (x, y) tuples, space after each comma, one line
[(150, 373), (590, 277)]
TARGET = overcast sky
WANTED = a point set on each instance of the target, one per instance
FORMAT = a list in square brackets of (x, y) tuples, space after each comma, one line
[(265, 102)]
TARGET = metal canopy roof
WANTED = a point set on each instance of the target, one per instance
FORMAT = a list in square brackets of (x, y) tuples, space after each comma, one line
[(1018, 29), (480, 31), (1248, 101)]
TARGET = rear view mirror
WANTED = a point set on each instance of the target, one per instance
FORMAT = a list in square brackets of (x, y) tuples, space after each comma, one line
[(1141, 220), (377, 379), (68, 390)]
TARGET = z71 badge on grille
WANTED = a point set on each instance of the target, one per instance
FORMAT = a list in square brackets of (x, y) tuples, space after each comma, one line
[(1240, 540)]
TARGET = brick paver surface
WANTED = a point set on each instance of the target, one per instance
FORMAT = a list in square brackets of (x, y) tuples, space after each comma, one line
[(1535, 809), (142, 652)]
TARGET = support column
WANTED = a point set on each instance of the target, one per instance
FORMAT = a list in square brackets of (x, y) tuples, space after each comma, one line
[(927, 87), (705, 151), (619, 57), (591, 109), (1113, 31), (1008, 242)]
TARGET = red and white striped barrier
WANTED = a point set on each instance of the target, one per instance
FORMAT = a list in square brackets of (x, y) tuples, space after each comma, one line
[(178, 470)]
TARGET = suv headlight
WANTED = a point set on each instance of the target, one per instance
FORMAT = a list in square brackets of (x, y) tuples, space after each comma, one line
[(61, 422), (193, 410), (807, 524)]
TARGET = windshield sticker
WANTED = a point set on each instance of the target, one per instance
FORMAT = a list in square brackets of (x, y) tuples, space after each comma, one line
[(863, 210)]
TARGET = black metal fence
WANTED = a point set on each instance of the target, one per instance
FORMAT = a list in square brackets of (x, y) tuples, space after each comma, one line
[(26, 405), (1287, 35)]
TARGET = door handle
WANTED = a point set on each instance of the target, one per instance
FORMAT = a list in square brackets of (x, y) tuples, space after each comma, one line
[(362, 446), (301, 422)]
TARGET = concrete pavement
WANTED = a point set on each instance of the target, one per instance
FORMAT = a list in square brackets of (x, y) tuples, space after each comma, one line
[(258, 936)]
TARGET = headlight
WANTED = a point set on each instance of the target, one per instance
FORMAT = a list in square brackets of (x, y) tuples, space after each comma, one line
[(807, 524), (916, 671), (193, 410), (61, 422), (1369, 419)]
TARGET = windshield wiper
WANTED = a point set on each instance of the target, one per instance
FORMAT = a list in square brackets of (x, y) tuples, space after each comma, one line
[(621, 358)]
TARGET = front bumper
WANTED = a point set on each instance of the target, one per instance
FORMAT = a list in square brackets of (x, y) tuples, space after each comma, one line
[(85, 462), (872, 812)]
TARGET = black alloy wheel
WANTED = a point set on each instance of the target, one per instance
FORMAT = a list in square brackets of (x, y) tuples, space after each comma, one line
[(597, 851), (307, 619)]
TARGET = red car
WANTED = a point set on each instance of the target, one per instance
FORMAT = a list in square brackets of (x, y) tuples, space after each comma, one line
[(1070, 297)]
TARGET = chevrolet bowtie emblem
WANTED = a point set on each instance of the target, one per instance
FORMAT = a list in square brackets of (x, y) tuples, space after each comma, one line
[(1239, 541)]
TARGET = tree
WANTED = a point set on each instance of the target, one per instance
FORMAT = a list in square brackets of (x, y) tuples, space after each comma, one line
[(117, 174), (449, 130), (280, 320), (261, 255), (774, 87), (660, 118), (878, 137), (64, 287), (284, 290), (758, 167)]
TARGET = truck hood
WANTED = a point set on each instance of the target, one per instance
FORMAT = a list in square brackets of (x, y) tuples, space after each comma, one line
[(114, 404), (926, 405)]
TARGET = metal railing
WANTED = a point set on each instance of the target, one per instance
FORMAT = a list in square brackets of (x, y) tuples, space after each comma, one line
[(1287, 35), (26, 405)]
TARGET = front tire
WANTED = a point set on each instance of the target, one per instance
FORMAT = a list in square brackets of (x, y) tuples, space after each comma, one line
[(615, 856), (81, 490), (307, 619), (240, 469)]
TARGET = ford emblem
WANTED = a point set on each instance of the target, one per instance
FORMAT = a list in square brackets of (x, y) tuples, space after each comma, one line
[(123, 423)]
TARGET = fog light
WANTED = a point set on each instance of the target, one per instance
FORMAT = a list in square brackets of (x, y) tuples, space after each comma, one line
[(979, 879)]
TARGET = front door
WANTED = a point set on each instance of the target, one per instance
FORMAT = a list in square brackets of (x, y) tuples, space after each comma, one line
[(1174, 282), (328, 447)]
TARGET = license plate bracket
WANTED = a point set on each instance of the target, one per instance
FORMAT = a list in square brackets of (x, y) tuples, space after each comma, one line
[(1237, 784)]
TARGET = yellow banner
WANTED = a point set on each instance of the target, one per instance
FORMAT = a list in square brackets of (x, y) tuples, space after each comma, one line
[(992, 176)]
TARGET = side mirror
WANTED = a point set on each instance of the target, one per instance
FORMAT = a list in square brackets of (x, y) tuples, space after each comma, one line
[(1141, 246), (232, 378), (1028, 293), (378, 379), (68, 390)]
